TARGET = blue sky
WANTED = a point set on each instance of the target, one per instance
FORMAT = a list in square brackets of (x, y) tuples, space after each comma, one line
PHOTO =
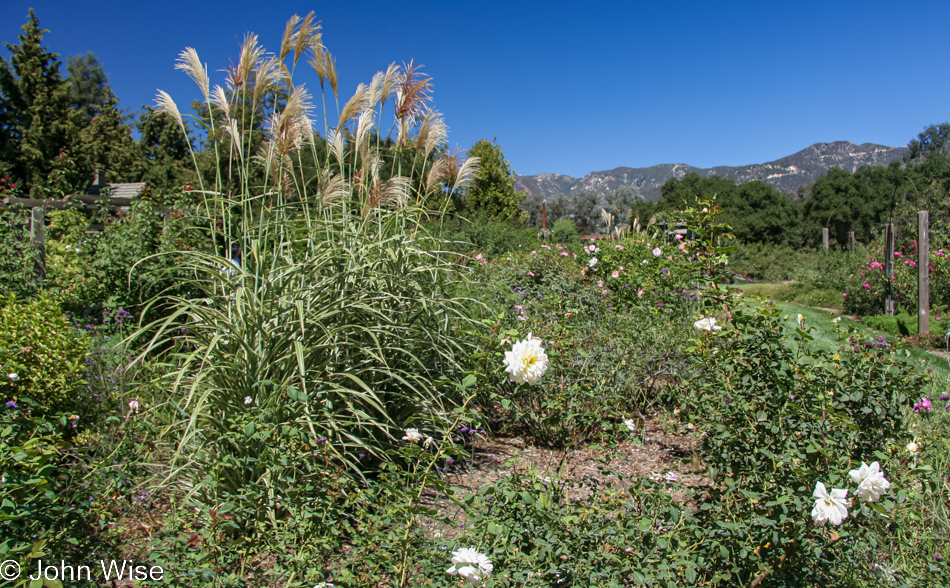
[(575, 87)]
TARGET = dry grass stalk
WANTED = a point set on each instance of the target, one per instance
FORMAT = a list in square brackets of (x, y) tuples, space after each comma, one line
[(251, 54), (189, 63), (220, 99), (267, 75), (433, 132), (355, 105), (165, 104)]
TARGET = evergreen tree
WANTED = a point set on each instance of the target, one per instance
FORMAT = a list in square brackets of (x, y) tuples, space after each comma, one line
[(492, 191), (36, 124)]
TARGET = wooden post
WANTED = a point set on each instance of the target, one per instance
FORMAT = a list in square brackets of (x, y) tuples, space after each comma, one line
[(38, 239), (825, 237), (923, 272), (852, 242), (889, 268)]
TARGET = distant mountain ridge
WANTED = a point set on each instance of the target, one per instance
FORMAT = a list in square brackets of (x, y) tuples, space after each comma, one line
[(785, 174)]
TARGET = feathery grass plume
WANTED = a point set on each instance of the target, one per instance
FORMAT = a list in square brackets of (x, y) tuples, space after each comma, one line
[(413, 92), (393, 193), (287, 41), (364, 127), (267, 75), (319, 64), (466, 172), (437, 173), (391, 80), (403, 130), (235, 133), (220, 99), (337, 143), (251, 54), (330, 69), (307, 37), (375, 89), (433, 132), (355, 105), (332, 188), (189, 63), (165, 104)]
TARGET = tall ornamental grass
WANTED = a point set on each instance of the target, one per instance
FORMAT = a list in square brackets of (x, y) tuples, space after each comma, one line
[(323, 317)]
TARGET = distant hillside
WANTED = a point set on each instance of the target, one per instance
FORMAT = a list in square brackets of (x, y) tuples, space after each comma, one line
[(786, 174)]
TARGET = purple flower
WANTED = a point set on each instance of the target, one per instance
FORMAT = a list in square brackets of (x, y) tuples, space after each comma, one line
[(924, 404), (943, 397), (13, 404)]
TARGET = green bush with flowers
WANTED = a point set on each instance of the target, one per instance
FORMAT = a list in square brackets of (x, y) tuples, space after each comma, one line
[(866, 290), (41, 354)]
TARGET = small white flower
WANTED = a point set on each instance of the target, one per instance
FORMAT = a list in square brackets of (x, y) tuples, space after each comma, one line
[(871, 482), (248, 400), (672, 476), (527, 361), (657, 252), (13, 377), (593, 261), (631, 424), (134, 405), (832, 507), (412, 435), (837, 319), (912, 447), (471, 565), (429, 441), (707, 324), (76, 249)]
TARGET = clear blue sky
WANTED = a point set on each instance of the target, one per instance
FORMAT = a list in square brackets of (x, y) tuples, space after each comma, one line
[(572, 87)]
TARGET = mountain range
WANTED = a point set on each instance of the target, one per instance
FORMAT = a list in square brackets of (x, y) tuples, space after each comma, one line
[(785, 174)]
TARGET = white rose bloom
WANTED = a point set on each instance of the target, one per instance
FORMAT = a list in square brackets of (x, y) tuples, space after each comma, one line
[(471, 565), (631, 424), (527, 361), (593, 261), (412, 435), (912, 447), (707, 324), (829, 507), (248, 400), (657, 252), (134, 405), (13, 377), (871, 482)]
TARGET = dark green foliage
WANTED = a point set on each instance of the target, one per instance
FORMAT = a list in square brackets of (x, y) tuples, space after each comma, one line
[(492, 192), (565, 231), (18, 256), (36, 123), (757, 212), (932, 140)]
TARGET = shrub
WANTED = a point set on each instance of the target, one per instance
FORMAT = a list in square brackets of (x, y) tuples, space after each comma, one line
[(564, 231), (43, 350)]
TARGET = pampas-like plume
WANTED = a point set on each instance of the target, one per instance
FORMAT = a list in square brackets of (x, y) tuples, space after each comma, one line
[(220, 99), (437, 172), (307, 37), (318, 62), (393, 193), (287, 40), (412, 93), (356, 104), (332, 190), (232, 130), (290, 128), (363, 128), (337, 145), (433, 132), (251, 54), (467, 172), (331, 73), (165, 104), (267, 74), (391, 80), (189, 63)]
